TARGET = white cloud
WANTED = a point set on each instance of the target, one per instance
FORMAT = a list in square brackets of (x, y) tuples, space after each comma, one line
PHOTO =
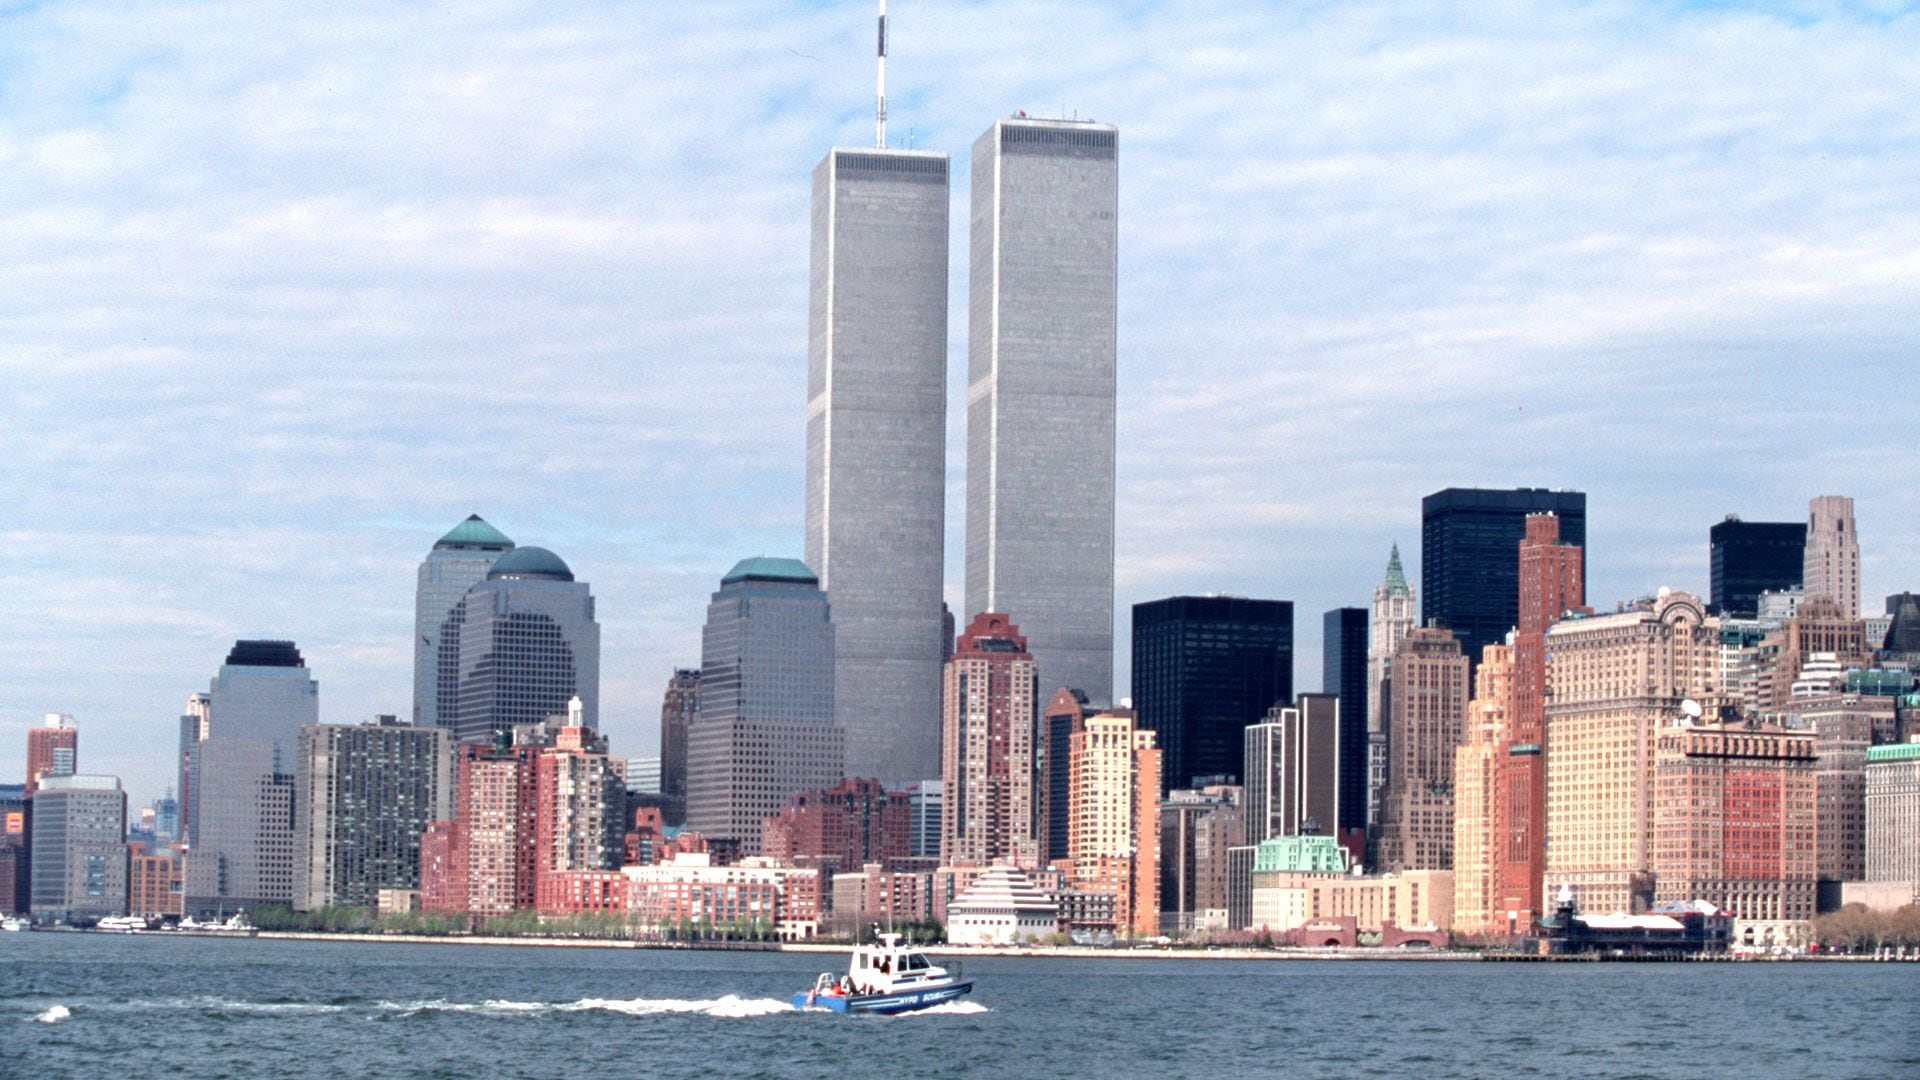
[(286, 292)]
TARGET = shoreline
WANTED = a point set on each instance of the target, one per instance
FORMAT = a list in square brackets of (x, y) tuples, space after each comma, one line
[(1073, 952)]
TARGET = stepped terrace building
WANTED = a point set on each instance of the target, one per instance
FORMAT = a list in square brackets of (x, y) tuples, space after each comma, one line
[(1002, 907)]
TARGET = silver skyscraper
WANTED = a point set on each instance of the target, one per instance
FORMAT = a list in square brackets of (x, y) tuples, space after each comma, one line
[(1040, 392), (876, 447), (459, 561)]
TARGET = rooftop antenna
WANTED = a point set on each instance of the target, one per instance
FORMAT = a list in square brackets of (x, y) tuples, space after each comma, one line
[(880, 86)]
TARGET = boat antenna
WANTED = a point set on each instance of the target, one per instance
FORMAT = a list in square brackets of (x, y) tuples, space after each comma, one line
[(880, 85)]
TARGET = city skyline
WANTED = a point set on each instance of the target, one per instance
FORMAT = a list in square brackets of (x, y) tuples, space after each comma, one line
[(299, 503)]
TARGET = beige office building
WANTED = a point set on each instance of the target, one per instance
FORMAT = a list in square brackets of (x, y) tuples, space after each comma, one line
[(1614, 681), (1475, 817)]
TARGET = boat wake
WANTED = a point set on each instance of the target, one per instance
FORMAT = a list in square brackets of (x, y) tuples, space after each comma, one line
[(951, 1008), (54, 1015), (730, 1006)]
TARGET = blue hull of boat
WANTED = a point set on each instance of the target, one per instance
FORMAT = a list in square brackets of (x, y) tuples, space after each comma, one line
[(886, 1004)]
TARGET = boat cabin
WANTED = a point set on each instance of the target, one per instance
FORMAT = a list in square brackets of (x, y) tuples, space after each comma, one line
[(890, 966)]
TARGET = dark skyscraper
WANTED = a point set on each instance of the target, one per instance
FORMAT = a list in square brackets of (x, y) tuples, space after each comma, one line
[(1752, 557), (1204, 667), (1343, 673), (1470, 575), (677, 713)]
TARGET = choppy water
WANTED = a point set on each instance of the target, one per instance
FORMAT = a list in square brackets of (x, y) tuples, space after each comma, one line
[(95, 1005)]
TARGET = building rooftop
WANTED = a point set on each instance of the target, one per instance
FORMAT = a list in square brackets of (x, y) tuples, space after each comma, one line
[(265, 654), (1003, 888), (1906, 751), (530, 562), (763, 568), (475, 533), (81, 782), (1300, 855)]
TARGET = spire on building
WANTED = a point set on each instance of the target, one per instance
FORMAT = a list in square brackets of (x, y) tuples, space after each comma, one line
[(1396, 576)]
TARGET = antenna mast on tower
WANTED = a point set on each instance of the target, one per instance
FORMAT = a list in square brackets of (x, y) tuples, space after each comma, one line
[(880, 90)]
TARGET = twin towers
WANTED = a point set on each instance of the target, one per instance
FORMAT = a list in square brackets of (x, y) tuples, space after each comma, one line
[(1040, 420)]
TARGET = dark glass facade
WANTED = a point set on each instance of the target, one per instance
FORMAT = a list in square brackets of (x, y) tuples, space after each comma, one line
[(1205, 667), (1343, 674), (1470, 556), (1752, 557)]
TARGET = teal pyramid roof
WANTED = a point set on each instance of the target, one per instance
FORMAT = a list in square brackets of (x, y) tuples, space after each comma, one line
[(1396, 577), (475, 532), (762, 568)]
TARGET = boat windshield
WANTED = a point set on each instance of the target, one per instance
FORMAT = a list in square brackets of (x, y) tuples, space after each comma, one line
[(914, 962)]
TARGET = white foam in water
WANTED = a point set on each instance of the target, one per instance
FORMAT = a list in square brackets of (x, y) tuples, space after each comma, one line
[(729, 1006), (951, 1008), (54, 1015)]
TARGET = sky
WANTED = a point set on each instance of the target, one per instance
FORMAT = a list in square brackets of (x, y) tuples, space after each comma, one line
[(288, 290)]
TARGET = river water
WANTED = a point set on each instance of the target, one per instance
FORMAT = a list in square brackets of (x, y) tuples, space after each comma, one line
[(92, 1005)]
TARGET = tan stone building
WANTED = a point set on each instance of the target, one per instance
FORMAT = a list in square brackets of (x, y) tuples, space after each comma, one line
[(1425, 714), (1893, 815), (1475, 776), (1734, 825), (1614, 681), (1302, 879), (1818, 628), (1114, 818)]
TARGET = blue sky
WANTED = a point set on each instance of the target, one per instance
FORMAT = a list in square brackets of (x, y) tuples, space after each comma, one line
[(285, 292)]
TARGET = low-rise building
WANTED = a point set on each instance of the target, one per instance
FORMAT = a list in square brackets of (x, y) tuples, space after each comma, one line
[(1002, 907), (1298, 879), (841, 828), (1893, 815), (156, 882), (875, 895), (1675, 928), (690, 894)]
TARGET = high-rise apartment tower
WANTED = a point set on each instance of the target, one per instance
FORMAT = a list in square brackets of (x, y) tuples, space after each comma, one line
[(990, 767)]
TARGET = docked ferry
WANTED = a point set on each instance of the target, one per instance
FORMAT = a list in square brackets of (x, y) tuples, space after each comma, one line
[(885, 978)]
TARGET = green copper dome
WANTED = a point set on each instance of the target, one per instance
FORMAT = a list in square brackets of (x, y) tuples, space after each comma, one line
[(475, 533), (761, 568), (530, 562)]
